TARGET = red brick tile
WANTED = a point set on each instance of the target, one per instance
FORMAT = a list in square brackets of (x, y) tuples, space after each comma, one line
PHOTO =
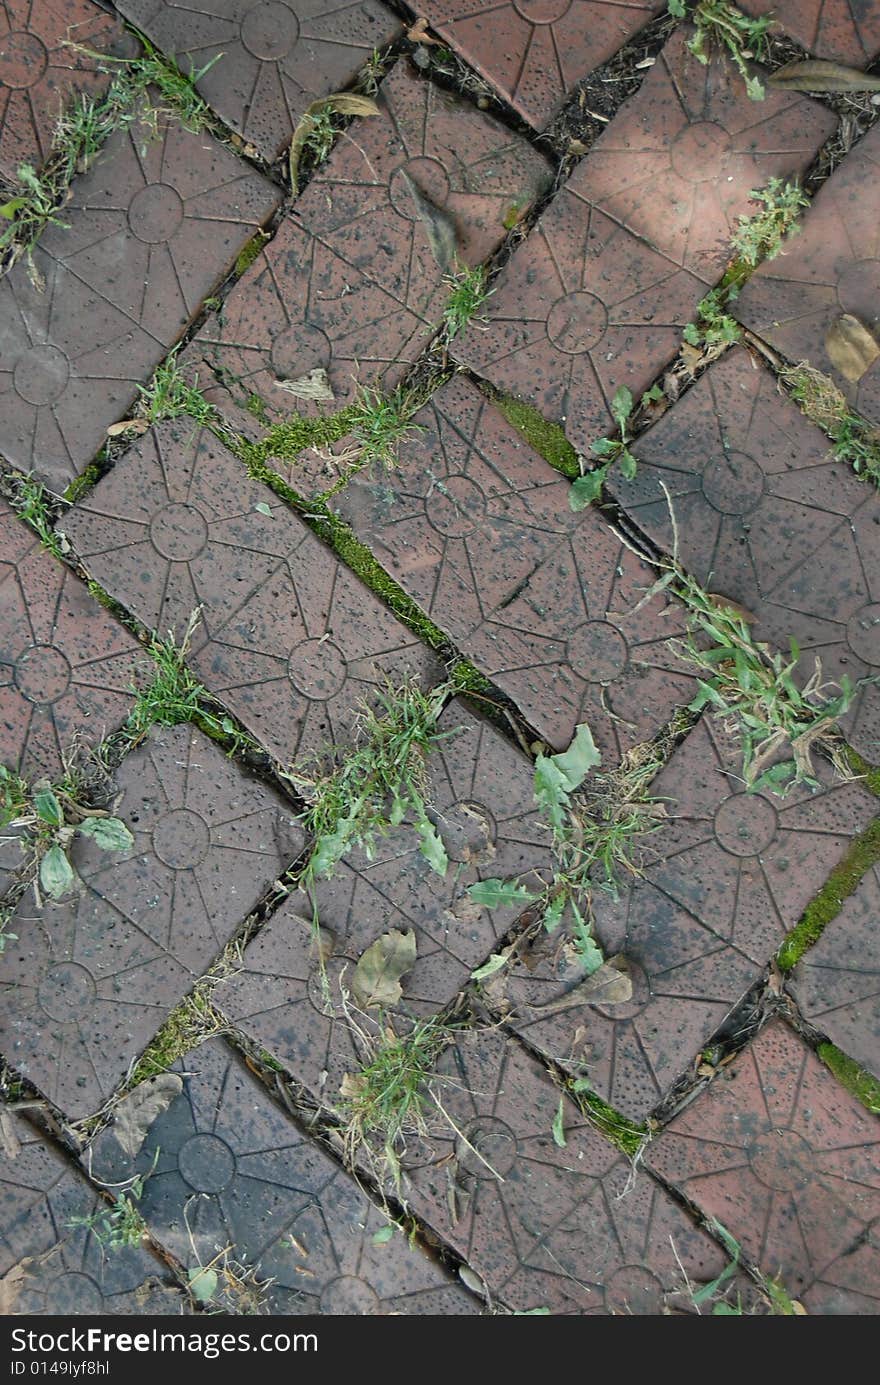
[(837, 983), (837, 29), (723, 880), (832, 268), (761, 507), (569, 1229), (146, 237), (233, 1170), (67, 667), (91, 979), (271, 59), (789, 1163), (39, 74), (278, 998), (533, 51), (65, 1268), (350, 283)]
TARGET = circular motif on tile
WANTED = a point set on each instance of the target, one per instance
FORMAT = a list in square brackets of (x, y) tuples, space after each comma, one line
[(430, 179), (469, 832), (782, 1159), (269, 31), (699, 151), (745, 824), (733, 483), (641, 996), (42, 674), (207, 1163), (597, 651), (863, 634), (317, 669), (349, 1297), (633, 1289), (858, 289), (297, 350), (542, 11), (455, 506), (66, 991), (41, 375), (73, 1293), (181, 839), (577, 322), (155, 213), (23, 60), (496, 1144), (178, 532)]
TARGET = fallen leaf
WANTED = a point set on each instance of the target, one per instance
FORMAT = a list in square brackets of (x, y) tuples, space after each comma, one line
[(472, 1280), (822, 76), (139, 1110), (418, 33), (726, 603), (559, 1125), (202, 1283), (495, 963), (691, 356), (344, 103), (383, 1234), (315, 385), (439, 226), (128, 425), (495, 893), (110, 834), (851, 348), (609, 984), (351, 1086), (376, 980)]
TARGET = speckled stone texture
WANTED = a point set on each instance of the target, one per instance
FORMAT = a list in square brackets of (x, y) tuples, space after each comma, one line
[(846, 31), (723, 879), (91, 979), (49, 1267), (234, 1170), (351, 284), (767, 516), (40, 75), (789, 1163), (149, 230), (67, 667), (831, 269), (269, 59), (837, 982)]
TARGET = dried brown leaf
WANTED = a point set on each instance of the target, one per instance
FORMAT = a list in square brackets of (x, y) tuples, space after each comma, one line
[(128, 425), (138, 1111), (377, 975), (344, 103), (314, 385), (418, 33), (439, 226), (851, 348), (822, 76), (610, 984)]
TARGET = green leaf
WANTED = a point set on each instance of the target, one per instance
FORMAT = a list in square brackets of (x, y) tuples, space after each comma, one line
[(48, 808), (605, 447), (709, 1291), (56, 873), (8, 210), (111, 834), (202, 1283), (677, 9), (628, 465), (332, 846), (263, 508), (432, 848), (581, 756), (622, 405), (553, 913), (495, 963), (653, 395), (559, 1125), (754, 89), (691, 334), (589, 954), (383, 1235), (586, 489), (551, 794), (500, 894)]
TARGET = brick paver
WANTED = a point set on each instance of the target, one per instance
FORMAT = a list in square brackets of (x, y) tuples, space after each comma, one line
[(64, 1269), (836, 29), (149, 230), (90, 980), (351, 284), (39, 72), (723, 880), (837, 983), (533, 51), (270, 59), (785, 1159), (236, 1171), (67, 667), (831, 269)]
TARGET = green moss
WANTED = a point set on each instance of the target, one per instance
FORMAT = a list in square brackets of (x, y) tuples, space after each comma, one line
[(84, 482), (288, 440), (869, 777), (250, 252), (545, 437), (626, 1134), (852, 1076), (190, 1024), (841, 883)]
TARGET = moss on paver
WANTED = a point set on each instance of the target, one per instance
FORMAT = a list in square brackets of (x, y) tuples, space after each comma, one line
[(841, 883), (853, 1076), (545, 437)]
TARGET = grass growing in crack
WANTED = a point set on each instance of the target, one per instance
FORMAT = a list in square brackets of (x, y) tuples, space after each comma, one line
[(170, 395), (720, 26), (120, 1224), (380, 423), (34, 504), (174, 695), (468, 293), (855, 442), (761, 236)]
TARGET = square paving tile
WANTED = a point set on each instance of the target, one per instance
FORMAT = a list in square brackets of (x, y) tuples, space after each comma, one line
[(149, 230), (65, 1269), (91, 979), (789, 1162), (350, 283), (761, 508), (837, 29), (723, 880), (831, 268), (233, 1170), (837, 983), (481, 796), (569, 1229), (533, 51), (39, 74), (67, 667), (270, 59)]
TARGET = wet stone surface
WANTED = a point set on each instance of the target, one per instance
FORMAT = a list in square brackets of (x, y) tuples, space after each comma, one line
[(836, 29), (270, 59), (789, 1163), (760, 505), (724, 878), (67, 667), (92, 978), (234, 1170)]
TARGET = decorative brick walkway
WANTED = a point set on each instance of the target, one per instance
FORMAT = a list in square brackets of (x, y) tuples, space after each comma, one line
[(656, 1093)]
